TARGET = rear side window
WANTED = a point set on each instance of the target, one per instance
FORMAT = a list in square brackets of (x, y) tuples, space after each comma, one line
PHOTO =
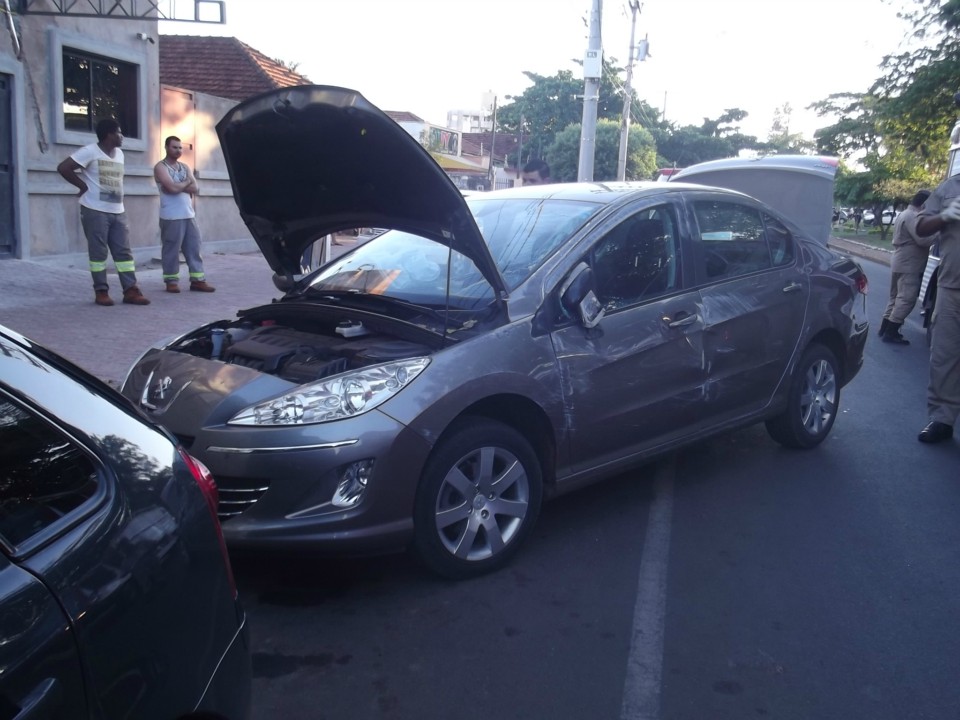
[(44, 474), (780, 241), (731, 240)]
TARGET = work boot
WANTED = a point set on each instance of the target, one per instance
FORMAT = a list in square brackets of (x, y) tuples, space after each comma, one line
[(173, 287), (102, 297), (133, 296), (201, 286), (883, 327), (892, 334)]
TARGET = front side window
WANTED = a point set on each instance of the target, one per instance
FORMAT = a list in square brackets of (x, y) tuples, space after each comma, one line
[(638, 260), (44, 475), (731, 240), (97, 87)]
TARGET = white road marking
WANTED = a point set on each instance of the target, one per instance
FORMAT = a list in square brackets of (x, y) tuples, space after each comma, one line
[(641, 691)]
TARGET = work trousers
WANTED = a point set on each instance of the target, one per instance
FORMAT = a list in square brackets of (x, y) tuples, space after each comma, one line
[(108, 233), (178, 236), (943, 392), (904, 290)]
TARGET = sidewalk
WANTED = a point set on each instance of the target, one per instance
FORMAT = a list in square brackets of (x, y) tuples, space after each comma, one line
[(53, 304), (859, 249)]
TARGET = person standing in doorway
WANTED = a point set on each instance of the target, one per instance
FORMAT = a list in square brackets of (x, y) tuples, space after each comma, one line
[(97, 171), (941, 213), (178, 223), (906, 270)]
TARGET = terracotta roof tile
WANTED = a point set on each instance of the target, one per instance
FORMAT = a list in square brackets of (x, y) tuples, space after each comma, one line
[(399, 116), (221, 66)]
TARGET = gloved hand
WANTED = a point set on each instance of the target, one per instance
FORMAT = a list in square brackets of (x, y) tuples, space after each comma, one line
[(951, 213)]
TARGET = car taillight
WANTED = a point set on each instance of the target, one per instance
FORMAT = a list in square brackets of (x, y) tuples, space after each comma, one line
[(862, 283), (208, 487)]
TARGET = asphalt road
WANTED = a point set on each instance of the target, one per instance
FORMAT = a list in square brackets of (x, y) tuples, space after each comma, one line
[(734, 580)]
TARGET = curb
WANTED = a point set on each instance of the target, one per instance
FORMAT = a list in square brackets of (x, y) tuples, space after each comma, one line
[(863, 250)]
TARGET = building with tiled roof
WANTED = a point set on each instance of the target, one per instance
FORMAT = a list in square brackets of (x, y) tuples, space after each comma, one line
[(221, 66), (402, 116)]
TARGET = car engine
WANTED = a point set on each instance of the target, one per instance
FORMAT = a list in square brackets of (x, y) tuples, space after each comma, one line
[(297, 355)]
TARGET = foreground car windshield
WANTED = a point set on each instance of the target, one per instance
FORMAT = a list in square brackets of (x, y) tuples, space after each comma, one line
[(520, 232)]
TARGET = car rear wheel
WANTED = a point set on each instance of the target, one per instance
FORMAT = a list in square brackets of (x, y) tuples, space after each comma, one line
[(814, 397), (478, 499)]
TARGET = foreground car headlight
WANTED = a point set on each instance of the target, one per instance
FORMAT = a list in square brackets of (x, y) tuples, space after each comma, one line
[(335, 398)]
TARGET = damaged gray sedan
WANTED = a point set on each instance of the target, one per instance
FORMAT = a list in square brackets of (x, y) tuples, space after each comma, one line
[(433, 386)]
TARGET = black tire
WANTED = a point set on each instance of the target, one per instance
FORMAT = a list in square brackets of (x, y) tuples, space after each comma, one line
[(813, 401), (478, 499)]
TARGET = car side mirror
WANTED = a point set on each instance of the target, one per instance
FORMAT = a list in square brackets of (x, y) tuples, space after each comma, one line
[(578, 299)]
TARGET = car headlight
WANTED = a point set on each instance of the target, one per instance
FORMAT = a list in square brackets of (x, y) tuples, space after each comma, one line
[(335, 398)]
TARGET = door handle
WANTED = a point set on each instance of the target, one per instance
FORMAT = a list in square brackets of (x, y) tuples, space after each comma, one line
[(41, 701), (793, 287), (684, 319)]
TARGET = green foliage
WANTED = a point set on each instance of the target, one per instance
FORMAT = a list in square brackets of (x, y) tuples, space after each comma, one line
[(714, 139), (780, 141), (898, 129), (555, 102), (564, 154)]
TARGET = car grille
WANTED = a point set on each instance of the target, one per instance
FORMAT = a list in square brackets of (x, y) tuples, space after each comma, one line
[(238, 494)]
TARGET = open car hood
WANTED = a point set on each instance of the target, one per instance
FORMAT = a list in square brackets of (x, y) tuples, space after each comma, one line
[(799, 186), (310, 160)]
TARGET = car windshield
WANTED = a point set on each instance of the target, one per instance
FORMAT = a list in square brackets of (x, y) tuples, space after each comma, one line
[(520, 232)]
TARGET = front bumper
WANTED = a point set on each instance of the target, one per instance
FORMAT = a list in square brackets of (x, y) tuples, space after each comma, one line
[(277, 485)]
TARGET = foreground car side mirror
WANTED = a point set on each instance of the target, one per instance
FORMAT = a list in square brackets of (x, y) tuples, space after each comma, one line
[(578, 299)]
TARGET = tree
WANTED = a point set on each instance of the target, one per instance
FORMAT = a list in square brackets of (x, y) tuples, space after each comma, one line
[(898, 129), (713, 139), (780, 140), (555, 102), (563, 154)]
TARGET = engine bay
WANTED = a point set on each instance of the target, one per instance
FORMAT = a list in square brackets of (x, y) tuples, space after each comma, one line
[(296, 354)]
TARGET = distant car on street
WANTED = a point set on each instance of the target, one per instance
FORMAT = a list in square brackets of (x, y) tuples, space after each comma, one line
[(433, 385), (117, 599)]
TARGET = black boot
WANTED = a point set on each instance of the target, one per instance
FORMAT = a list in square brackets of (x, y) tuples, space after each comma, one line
[(892, 334), (883, 327)]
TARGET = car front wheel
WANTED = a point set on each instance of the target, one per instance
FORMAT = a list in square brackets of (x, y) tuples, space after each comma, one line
[(813, 400), (478, 499)]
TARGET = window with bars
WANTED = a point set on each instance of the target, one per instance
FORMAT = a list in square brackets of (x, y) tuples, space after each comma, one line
[(96, 87)]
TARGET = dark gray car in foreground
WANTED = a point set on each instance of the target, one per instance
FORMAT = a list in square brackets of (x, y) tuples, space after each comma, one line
[(437, 383), (116, 595)]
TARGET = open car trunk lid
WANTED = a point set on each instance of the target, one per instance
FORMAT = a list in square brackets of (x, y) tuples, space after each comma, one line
[(799, 186)]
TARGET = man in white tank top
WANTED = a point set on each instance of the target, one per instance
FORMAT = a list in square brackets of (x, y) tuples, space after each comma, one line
[(178, 224)]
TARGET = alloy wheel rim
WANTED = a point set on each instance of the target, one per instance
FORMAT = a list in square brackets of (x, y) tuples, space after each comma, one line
[(482, 503), (818, 401)]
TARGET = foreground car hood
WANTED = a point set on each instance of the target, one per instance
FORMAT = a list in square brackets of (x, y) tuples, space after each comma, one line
[(308, 161)]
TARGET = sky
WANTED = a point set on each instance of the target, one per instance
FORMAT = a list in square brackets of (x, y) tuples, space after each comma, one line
[(431, 56)]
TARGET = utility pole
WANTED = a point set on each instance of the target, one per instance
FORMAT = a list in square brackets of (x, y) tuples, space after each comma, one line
[(493, 145), (592, 70), (627, 97), (520, 150)]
